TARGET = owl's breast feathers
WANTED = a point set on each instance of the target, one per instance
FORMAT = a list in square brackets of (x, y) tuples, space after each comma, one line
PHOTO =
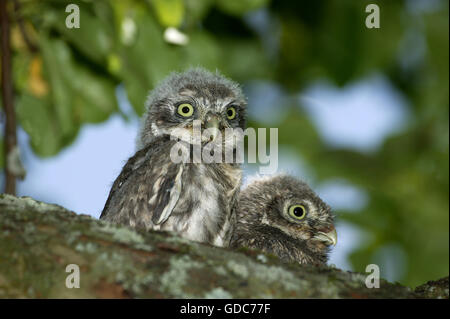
[(195, 200)]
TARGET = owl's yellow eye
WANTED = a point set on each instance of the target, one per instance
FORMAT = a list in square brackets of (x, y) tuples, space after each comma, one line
[(185, 109), (297, 211), (231, 113)]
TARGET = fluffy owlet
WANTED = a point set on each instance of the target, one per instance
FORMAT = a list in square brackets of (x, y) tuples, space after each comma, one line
[(281, 215), (196, 200)]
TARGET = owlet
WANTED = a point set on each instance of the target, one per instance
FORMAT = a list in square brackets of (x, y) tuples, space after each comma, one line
[(157, 190), (281, 215)]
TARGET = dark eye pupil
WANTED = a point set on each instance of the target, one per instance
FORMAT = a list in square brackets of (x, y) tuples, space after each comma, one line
[(185, 109), (230, 113), (298, 211)]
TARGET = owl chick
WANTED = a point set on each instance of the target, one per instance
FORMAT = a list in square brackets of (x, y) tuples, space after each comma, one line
[(281, 215), (194, 199)]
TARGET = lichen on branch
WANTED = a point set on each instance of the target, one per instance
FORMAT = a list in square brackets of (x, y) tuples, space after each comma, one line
[(38, 241)]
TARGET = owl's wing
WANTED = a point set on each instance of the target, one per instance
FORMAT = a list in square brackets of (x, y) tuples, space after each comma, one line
[(147, 190), (167, 197), (127, 170)]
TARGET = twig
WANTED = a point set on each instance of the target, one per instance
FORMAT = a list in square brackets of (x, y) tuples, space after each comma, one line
[(10, 137)]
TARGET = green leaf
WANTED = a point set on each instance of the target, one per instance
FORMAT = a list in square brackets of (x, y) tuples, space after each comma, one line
[(202, 49), (94, 38), (77, 94), (196, 10), (145, 62), (56, 56), (252, 61), (239, 7), (169, 12), (37, 119)]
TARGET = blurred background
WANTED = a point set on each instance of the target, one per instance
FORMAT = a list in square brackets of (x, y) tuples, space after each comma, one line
[(362, 114)]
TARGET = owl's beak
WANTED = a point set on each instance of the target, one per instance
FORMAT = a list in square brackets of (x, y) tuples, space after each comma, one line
[(329, 237), (213, 125)]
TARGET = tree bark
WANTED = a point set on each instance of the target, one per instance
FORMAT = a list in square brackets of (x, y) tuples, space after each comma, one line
[(38, 241), (8, 99)]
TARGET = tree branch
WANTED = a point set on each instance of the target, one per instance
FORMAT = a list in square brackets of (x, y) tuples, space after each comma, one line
[(10, 136), (39, 240)]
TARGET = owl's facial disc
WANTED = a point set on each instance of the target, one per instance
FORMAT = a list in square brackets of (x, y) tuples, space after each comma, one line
[(181, 98), (308, 222), (198, 117)]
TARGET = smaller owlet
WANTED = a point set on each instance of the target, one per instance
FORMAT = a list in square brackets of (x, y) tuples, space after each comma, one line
[(281, 215)]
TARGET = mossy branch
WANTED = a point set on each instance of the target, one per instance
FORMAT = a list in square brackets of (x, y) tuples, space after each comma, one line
[(38, 241)]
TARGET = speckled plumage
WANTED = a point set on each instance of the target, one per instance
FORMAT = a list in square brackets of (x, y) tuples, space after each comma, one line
[(263, 221), (196, 200)]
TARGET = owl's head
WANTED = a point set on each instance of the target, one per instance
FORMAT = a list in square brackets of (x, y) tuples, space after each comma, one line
[(287, 207), (196, 94)]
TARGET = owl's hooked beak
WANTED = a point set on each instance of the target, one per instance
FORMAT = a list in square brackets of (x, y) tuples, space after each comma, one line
[(212, 124), (329, 237)]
